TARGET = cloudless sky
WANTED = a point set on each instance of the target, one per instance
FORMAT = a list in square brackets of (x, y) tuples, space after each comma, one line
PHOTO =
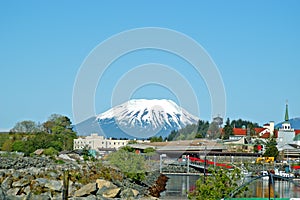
[(255, 45)]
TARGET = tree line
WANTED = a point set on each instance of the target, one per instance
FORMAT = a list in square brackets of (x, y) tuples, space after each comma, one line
[(27, 136), (213, 130)]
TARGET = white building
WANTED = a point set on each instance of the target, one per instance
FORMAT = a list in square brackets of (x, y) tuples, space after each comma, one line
[(286, 133), (94, 141)]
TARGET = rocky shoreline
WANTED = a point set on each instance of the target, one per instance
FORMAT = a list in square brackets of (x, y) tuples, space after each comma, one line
[(41, 177)]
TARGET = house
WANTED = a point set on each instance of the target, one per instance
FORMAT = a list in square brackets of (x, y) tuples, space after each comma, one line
[(94, 141), (102, 144)]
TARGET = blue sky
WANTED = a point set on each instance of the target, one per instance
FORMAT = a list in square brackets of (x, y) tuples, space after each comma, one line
[(255, 45)]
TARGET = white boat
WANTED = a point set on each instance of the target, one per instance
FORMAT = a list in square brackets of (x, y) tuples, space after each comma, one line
[(246, 173), (284, 174), (279, 175), (264, 173)]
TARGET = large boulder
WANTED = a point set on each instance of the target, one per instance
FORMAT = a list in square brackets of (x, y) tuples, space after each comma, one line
[(111, 193), (54, 185), (39, 152), (135, 192), (42, 181), (86, 190), (13, 191), (21, 183), (104, 183), (128, 193), (90, 197), (2, 194), (32, 196), (7, 183)]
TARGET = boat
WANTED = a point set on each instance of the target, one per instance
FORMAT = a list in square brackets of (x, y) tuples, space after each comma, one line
[(246, 173), (277, 175)]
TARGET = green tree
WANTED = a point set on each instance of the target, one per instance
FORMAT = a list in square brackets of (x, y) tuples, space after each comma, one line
[(258, 142), (240, 123), (26, 126), (190, 132), (227, 130), (149, 150), (7, 145), (61, 127), (131, 165), (271, 149), (172, 136), (19, 145), (156, 139), (128, 148), (50, 152), (214, 131), (218, 185), (57, 124), (202, 129)]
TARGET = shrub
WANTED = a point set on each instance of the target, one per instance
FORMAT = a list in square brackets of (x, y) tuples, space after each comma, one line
[(50, 152), (131, 165)]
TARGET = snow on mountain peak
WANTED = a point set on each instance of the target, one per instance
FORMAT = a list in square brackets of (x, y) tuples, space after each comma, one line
[(152, 115)]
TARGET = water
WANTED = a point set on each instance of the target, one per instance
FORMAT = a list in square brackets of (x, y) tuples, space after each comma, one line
[(178, 186)]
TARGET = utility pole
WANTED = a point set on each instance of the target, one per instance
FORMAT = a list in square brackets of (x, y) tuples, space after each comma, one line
[(65, 185), (205, 165), (188, 164)]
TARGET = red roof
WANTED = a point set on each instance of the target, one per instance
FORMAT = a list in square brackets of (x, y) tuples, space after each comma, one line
[(297, 132), (265, 135), (239, 131), (259, 130)]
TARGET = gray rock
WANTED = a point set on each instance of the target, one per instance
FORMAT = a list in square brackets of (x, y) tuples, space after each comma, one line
[(90, 197), (16, 175), (13, 191), (101, 191), (53, 175), (2, 194), (13, 197), (54, 185), (104, 183), (111, 193), (27, 190), (38, 197), (135, 192), (6, 184), (42, 181), (21, 183), (86, 190), (127, 193)]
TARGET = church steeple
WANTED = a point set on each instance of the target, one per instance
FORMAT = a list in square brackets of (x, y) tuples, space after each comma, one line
[(286, 118)]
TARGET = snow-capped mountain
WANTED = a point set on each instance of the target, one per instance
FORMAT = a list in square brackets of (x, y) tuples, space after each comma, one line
[(140, 118)]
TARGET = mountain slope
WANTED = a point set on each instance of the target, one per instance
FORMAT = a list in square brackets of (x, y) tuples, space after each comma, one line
[(295, 123), (139, 118)]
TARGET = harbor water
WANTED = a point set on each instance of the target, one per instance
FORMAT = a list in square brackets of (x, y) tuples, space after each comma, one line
[(179, 185)]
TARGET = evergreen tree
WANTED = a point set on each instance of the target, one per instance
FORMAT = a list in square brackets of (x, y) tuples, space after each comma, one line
[(271, 149), (227, 130), (214, 130)]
